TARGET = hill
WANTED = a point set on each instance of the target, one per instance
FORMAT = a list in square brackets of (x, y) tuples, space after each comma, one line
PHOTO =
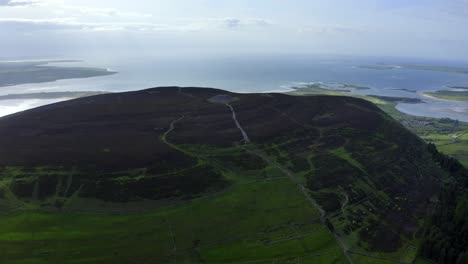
[(203, 175)]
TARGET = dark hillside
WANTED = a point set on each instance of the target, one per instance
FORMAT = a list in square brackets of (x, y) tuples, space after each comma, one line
[(373, 177)]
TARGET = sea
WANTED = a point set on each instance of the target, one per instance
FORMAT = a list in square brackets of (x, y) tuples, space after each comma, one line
[(258, 73)]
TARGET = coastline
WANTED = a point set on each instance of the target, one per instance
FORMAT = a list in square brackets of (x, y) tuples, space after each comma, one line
[(427, 95)]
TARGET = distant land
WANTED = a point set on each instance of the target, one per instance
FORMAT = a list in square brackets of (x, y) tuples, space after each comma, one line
[(450, 95), (398, 99), (49, 95), (337, 87), (23, 72), (406, 90), (416, 67), (459, 87), (356, 87)]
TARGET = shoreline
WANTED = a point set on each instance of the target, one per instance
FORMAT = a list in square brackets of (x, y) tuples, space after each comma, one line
[(398, 105), (425, 94)]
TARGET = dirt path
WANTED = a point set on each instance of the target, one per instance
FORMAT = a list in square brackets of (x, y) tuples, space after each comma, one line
[(246, 138), (303, 189), (343, 206), (288, 173), (171, 127)]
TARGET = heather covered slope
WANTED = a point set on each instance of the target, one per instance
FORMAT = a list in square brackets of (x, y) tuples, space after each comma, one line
[(343, 163)]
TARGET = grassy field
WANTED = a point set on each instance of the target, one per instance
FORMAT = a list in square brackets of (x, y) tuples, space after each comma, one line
[(450, 137), (262, 218), (369, 260), (279, 225)]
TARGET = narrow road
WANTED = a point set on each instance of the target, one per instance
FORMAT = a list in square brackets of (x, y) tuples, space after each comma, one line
[(234, 117)]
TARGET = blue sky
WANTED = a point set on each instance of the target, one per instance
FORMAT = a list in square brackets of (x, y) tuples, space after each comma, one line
[(416, 28)]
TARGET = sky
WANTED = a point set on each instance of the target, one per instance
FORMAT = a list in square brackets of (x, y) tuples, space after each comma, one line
[(410, 28)]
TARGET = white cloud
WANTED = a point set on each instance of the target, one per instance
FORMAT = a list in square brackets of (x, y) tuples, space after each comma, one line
[(329, 30), (233, 23), (60, 7), (17, 3), (60, 15), (71, 24), (93, 11), (26, 25), (60, 24), (377, 25)]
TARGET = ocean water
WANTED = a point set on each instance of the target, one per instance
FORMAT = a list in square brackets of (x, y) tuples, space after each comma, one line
[(258, 73)]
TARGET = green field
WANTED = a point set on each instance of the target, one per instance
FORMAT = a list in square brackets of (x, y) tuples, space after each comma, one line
[(450, 137), (451, 95), (262, 218), (260, 221)]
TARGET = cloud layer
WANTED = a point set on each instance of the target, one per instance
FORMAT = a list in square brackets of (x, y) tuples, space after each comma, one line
[(70, 24), (16, 3), (390, 27)]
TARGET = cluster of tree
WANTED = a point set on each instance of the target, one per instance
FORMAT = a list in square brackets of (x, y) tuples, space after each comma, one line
[(445, 238), (446, 234), (449, 121)]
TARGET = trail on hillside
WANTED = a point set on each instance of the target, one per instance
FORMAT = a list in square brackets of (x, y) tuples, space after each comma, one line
[(163, 138), (171, 127), (303, 189), (345, 203), (234, 117), (257, 152)]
